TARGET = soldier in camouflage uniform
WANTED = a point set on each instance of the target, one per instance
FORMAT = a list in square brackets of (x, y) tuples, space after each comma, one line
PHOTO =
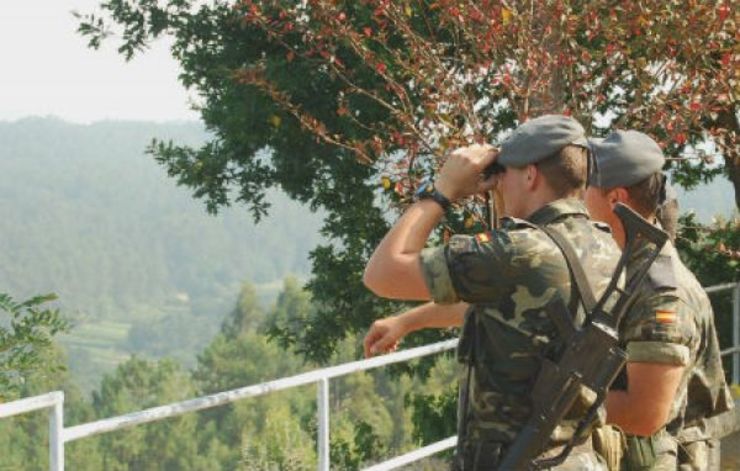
[(674, 378), (498, 282)]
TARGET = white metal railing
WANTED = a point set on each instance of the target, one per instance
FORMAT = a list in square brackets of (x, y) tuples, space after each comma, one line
[(53, 401), (59, 435), (735, 349)]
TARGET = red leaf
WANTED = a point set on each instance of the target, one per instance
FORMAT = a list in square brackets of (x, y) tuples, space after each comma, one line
[(726, 57), (380, 67), (723, 12), (368, 31), (680, 138)]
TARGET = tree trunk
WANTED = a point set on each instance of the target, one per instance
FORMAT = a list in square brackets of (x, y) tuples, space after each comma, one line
[(730, 149)]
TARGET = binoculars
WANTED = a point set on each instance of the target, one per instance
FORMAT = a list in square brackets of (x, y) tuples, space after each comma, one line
[(493, 169)]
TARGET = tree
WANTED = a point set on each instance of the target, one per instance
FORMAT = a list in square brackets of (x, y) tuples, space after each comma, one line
[(172, 444), (712, 253), (24, 439), (347, 105), (247, 314), (26, 341), (263, 433)]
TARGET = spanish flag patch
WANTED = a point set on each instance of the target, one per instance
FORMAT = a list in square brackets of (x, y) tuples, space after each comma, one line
[(665, 317), (483, 237)]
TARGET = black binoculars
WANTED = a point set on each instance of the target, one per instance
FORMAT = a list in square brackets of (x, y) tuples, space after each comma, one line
[(493, 169)]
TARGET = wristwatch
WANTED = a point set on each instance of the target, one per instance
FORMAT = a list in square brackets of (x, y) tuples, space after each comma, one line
[(427, 191)]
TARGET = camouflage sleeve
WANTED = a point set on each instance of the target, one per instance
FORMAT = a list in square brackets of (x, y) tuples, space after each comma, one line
[(437, 276), (469, 268), (658, 330)]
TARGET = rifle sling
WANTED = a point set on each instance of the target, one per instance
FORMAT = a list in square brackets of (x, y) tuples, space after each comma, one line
[(582, 286)]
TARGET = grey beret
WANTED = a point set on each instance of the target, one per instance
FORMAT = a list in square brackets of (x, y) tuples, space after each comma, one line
[(624, 158), (540, 138)]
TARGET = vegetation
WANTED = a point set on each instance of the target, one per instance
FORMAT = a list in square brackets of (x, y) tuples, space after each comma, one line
[(26, 343), (712, 253), (138, 266), (343, 106), (374, 93), (370, 417)]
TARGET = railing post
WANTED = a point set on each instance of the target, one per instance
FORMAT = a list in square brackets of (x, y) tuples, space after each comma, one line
[(323, 418), (56, 430), (736, 333)]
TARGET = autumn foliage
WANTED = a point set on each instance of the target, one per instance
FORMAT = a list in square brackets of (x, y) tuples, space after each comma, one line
[(347, 105), (415, 78)]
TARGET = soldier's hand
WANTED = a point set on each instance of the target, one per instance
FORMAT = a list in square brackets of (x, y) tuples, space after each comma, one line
[(383, 336), (460, 176)]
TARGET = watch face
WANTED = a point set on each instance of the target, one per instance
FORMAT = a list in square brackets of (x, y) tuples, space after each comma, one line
[(426, 188)]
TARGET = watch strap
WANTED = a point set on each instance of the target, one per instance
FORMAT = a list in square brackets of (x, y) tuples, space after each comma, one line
[(428, 191)]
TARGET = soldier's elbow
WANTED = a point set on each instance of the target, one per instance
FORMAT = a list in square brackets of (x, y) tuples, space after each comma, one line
[(372, 281), (376, 280)]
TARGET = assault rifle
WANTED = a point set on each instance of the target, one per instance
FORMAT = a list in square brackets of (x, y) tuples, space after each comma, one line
[(591, 355)]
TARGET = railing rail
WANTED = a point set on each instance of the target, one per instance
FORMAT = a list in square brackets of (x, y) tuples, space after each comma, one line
[(59, 435), (54, 401)]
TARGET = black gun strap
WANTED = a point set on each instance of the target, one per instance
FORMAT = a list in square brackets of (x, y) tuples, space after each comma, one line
[(576, 270)]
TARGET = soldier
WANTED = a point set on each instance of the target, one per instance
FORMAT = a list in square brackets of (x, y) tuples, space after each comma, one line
[(674, 377), (498, 283)]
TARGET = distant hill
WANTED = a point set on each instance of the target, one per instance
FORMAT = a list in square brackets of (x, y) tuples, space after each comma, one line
[(87, 215)]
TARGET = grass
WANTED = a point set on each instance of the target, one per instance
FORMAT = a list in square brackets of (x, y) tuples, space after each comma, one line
[(100, 334)]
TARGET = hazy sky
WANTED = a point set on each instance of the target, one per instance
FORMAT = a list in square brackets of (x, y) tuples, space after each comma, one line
[(47, 69)]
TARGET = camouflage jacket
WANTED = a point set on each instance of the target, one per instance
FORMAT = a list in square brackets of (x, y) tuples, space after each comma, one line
[(672, 322), (508, 276)]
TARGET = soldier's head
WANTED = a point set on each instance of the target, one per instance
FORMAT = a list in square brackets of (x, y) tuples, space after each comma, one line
[(629, 171), (544, 159)]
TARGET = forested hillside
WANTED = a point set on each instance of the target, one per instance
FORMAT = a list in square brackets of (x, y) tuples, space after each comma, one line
[(138, 264), (374, 415)]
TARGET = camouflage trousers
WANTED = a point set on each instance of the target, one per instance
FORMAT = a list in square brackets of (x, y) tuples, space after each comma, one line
[(658, 452), (665, 461), (699, 456), (582, 457), (485, 456), (694, 456)]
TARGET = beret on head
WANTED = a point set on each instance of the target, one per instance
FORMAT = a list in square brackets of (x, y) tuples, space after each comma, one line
[(539, 138), (624, 158)]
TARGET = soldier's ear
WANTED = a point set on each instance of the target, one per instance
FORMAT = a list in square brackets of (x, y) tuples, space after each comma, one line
[(618, 195), (532, 172)]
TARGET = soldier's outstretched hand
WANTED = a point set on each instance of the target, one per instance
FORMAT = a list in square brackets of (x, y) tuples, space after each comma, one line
[(383, 336)]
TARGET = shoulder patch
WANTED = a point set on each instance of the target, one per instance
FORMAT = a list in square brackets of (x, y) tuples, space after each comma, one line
[(664, 316), (483, 237), (661, 274)]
